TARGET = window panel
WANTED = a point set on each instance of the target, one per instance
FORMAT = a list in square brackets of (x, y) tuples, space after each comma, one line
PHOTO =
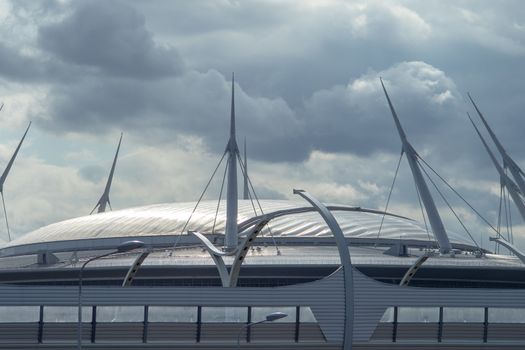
[(120, 313), (19, 314), (306, 315), (54, 314), (418, 314), (172, 314), (260, 313), (214, 314), (463, 314), (388, 316), (506, 315)]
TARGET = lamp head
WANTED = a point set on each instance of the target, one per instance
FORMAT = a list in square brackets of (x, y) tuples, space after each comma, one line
[(275, 316), (129, 245)]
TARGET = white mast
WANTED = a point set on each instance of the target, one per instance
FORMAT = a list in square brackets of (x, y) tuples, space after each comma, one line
[(104, 199), (433, 215), (505, 180), (6, 172), (508, 162), (246, 191), (230, 241)]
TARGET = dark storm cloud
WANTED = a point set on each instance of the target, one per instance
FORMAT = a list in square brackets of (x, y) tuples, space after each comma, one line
[(285, 108), (158, 111), (15, 66), (110, 36)]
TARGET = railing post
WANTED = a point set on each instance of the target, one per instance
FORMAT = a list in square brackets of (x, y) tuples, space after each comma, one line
[(249, 329), (199, 323), (145, 324), (440, 325), (394, 326), (297, 323), (93, 323), (486, 325), (41, 324)]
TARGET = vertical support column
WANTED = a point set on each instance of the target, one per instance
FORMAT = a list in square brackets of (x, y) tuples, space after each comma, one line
[(486, 325), (394, 326), (145, 324), (40, 324), (199, 323), (297, 323), (440, 325), (93, 323), (249, 329)]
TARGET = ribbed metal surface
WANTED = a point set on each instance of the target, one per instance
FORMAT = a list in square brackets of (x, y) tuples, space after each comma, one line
[(323, 296), (169, 219)]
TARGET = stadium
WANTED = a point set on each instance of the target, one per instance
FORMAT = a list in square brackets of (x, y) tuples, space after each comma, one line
[(258, 274)]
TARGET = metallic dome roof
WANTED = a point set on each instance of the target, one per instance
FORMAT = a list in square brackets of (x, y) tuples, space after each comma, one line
[(168, 219)]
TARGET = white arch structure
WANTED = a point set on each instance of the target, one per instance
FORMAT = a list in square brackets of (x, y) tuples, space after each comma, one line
[(229, 279)]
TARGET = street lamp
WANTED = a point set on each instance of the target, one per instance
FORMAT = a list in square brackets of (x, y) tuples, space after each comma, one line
[(274, 316), (122, 248)]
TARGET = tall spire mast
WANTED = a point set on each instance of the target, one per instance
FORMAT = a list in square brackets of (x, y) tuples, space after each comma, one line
[(104, 199), (6, 172), (246, 194), (505, 180), (230, 242), (507, 160), (433, 215)]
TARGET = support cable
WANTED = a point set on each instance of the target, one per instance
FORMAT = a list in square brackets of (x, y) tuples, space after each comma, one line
[(5, 215), (388, 198), (200, 198), (220, 197), (458, 194), (496, 245), (510, 223), (509, 218), (258, 204), (507, 209), (450, 207), (423, 213), (245, 175)]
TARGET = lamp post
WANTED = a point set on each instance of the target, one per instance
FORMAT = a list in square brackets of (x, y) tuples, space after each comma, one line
[(122, 248), (274, 316)]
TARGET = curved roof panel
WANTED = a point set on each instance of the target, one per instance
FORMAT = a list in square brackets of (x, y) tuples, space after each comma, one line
[(169, 219)]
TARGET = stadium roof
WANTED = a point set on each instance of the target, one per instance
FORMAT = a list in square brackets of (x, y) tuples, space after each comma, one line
[(168, 220)]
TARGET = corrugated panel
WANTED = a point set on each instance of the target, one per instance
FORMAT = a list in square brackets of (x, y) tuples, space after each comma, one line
[(506, 332), (455, 331), (60, 332), (324, 297), (119, 332), (171, 332)]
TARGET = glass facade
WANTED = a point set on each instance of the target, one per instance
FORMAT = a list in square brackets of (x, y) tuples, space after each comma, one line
[(224, 314), (451, 324), (172, 314), (463, 314), (61, 314), (259, 313), (145, 324), (120, 314), (15, 314), (506, 315), (418, 314)]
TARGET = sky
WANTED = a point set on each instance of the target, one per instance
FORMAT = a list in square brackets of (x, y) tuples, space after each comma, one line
[(308, 100)]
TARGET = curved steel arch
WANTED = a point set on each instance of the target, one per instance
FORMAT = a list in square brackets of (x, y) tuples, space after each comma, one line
[(230, 279), (344, 255), (278, 213)]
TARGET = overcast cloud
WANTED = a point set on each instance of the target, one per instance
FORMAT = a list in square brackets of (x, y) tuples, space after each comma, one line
[(308, 98)]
